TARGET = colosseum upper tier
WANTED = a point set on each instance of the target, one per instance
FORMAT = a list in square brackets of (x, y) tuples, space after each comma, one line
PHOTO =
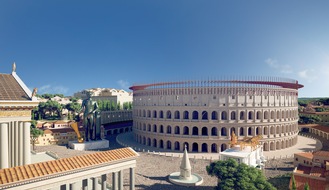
[(203, 114)]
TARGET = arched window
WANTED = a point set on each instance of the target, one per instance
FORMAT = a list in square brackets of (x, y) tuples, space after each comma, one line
[(177, 115), (266, 115), (186, 130), (195, 147), (154, 114), (144, 127), (204, 147), (223, 147), (204, 131), (148, 127), (241, 131), (224, 115), (242, 115), (204, 115), (195, 131), (169, 145), (250, 115), (214, 115), (149, 142), (161, 128), (195, 115), (177, 147), (161, 114), (168, 114), (223, 131), (214, 131), (148, 113), (185, 115), (177, 130), (155, 143), (233, 115), (155, 128), (144, 113), (272, 115), (169, 129), (249, 131), (214, 148), (259, 115), (161, 144)]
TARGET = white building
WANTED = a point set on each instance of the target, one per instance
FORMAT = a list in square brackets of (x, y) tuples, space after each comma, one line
[(203, 114), (16, 103), (111, 94)]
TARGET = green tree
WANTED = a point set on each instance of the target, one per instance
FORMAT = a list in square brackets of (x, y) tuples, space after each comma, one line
[(293, 183), (306, 186), (73, 108), (234, 176), (35, 133)]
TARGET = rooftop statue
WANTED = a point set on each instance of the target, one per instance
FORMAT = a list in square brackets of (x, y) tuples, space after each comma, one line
[(91, 119)]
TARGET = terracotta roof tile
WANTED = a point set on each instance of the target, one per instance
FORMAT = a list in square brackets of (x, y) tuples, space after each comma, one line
[(33, 171), (322, 128), (313, 183), (308, 155), (321, 153), (303, 169), (10, 89)]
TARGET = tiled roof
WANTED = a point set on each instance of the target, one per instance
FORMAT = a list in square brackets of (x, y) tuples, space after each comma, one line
[(10, 89), (322, 128), (308, 155), (61, 166), (321, 153), (303, 169), (316, 171)]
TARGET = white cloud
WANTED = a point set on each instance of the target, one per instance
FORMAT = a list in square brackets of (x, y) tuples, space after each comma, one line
[(49, 89), (123, 84), (273, 63), (308, 74)]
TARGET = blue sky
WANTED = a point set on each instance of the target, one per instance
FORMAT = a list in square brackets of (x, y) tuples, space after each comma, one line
[(66, 46)]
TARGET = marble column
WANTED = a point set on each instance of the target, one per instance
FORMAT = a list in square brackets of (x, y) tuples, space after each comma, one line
[(120, 180), (95, 183), (114, 181), (17, 155), (85, 184), (21, 143), (4, 161), (132, 178), (27, 146), (103, 181), (75, 186)]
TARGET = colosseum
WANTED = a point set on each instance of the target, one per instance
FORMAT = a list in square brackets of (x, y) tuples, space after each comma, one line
[(203, 114)]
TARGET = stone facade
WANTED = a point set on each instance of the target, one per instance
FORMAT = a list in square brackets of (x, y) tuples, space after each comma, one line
[(203, 114)]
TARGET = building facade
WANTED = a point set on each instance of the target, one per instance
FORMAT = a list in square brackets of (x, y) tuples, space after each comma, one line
[(115, 95), (203, 114), (16, 103)]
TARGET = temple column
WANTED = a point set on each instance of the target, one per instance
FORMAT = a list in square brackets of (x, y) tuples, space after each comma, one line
[(27, 147), (21, 143), (75, 185), (132, 178), (17, 155), (95, 183), (85, 184), (120, 180), (114, 181), (4, 160), (103, 181)]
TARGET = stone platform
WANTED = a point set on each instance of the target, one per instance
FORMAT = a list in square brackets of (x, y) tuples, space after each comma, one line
[(90, 145)]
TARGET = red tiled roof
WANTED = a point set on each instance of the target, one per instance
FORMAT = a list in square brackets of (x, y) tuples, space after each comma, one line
[(322, 153), (308, 155), (303, 169), (10, 89), (322, 128), (61, 166), (316, 171)]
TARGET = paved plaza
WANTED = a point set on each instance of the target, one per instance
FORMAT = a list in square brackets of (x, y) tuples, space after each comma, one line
[(153, 168)]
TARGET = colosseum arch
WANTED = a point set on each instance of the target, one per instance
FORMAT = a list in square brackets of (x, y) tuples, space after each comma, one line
[(185, 115), (149, 142), (214, 148), (214, 131), (204, 147), (195, 115), (250, 115), (277, 145), (154, 114), (204, 131), (272, 146), (241, 133), (224, 115), (177, 115), (259, 115), (272, 114), (233, 115), (155, 128), (161, 114), (232, 129), (204, 115), (155, 143), (249, 131), (195, 147), (144, 141), (266, 115), (144, 113), (214, 115), (186, 130), (242, 115), (148, 113), (168, 129), (195, 131), (223, 147), (278, 116), (149, 127), (168, 114), (186, 144), (161, 144), (177, 145), (177, 131), (169, 145), (223, 131), (161, 129)]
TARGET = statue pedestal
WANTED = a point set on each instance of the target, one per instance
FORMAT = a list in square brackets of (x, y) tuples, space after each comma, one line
[(90, 145)]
